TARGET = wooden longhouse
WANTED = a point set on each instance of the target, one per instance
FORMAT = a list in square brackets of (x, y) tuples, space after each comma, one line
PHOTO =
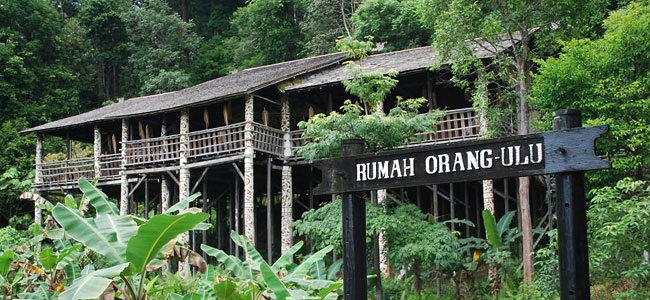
[(234, 139)]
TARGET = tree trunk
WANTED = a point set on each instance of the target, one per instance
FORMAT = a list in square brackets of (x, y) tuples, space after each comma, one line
[(524, 182)]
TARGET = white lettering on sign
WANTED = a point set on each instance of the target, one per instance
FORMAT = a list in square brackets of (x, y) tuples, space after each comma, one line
[(462, 161)]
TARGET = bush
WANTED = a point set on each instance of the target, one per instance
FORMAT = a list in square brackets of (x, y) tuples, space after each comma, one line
[(10, 238)]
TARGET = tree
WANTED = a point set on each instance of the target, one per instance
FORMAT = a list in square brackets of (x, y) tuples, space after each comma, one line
[(106, 28), (394, 22), (463, 28), (619, 227), (265, 32), (607, 80), (323, 22), (158, 40)]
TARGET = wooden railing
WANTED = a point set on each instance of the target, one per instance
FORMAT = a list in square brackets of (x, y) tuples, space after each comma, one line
[(110, 165), (153, 150), (66, 172), (268, 139), (217, 141), (456, 125)]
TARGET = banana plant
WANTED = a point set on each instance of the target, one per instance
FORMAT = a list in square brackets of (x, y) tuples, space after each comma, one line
[(130, 244), (275, 280), (499, 235)]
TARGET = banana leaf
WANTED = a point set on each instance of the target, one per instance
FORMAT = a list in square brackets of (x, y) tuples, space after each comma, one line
[(85, 231), (233, 264), (285, 259), (93, 284), (493, 237), (273, 282), (156, 233), (97, 198), (301, 271)]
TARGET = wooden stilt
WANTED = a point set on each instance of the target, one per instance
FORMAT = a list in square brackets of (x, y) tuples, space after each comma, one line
[(269, 213), (466, 196), (97, 151), (506, 198), (249, 153), (237, 214), (452, 206), (146, 198), (286, 213), (184, 179), (124, 187), (436, 214), (38, 175)]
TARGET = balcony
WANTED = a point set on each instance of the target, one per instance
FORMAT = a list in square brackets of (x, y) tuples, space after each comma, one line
[(66, 172), (457, 125), (227, 142)]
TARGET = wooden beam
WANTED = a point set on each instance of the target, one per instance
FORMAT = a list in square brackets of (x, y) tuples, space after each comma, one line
[(241, 175), (137, 185), (199, 181), (173, 177), (265, 99)]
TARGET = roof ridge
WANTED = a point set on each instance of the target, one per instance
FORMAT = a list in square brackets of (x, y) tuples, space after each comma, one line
[(284, 62)]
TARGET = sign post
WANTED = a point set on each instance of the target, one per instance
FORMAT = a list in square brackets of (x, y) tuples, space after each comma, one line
[(567, 151), (572, 221), (355, 284)]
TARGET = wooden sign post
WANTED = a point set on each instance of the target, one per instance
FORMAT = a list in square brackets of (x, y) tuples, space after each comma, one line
[(567, 151)]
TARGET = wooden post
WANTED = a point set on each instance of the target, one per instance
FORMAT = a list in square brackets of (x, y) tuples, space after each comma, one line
[(466, 196), (436, 214), (184, 178), (124, 181), (249, 154), (355, 285), (97, 151), (384, 266), (269, 213), (204, 208), (164, 180), (507, 195), (286, 232), (572, 222), (237, 213), (452, 206), (38, 175), (146, 198)]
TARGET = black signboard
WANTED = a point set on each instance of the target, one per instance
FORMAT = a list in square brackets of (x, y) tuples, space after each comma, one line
[(535, 154)]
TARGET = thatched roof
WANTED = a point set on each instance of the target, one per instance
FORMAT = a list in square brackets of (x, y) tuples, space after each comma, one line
[(78, 120), (233, 85), (401, 61)]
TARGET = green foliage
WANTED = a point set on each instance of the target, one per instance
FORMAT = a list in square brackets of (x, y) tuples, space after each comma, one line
[(212, 60), (10, 238), (392, 21), (619, 231), (322, 24), (264, 32), (158, 42), (411, 237), (379, 132), (547, 268), (251, 278), (608, 80)]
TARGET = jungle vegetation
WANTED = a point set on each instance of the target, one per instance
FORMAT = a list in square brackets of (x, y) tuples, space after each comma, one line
[(62, 57)]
